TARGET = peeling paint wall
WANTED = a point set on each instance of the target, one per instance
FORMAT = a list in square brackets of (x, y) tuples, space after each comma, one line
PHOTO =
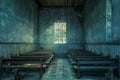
[(108, 20), (94, 21), (48, 16), (102, 26), (18, 26)]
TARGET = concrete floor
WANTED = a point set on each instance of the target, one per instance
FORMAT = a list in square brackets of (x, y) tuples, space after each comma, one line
[(60, 69)]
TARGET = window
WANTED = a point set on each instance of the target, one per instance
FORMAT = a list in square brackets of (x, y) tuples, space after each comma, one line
[(60, 33)]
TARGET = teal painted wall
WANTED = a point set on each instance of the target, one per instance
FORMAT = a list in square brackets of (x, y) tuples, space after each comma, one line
[(101, 25), (18, 26)]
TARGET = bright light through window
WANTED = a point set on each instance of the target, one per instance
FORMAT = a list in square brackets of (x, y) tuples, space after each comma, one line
[(60, 33)]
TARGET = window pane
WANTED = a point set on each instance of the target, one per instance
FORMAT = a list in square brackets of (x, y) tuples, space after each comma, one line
[(60, 33)]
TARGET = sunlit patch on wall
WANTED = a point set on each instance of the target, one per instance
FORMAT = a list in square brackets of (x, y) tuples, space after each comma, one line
[(59, 32)]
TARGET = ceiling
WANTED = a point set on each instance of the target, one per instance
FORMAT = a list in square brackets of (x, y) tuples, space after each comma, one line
[(61, 3)]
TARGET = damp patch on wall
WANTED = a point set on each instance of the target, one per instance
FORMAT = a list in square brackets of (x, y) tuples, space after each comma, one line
[(108, 20)]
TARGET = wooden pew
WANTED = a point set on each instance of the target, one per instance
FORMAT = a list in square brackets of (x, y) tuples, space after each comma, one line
[(48, 53), (88, 58), (1, 65), (48, 60), (74, 55), (84, 61), (95, 64), (23, 65), (41, 52), (81, 53), (19, 63)]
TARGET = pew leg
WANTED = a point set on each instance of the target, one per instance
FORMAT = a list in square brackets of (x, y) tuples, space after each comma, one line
[(0, 71), (17, 75), (106, 76), (119, 72), (41, 73), (111, 72), (45, 69), (119, 68), (78, 69), (1, 66), (3, 71), (109, 75), (78, 73)]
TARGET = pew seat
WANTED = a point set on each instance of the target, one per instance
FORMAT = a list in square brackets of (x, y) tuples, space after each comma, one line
[(95, 67)]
